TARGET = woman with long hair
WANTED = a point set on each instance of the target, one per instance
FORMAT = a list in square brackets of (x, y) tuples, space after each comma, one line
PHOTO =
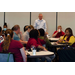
[(13, 46), (68, 37)]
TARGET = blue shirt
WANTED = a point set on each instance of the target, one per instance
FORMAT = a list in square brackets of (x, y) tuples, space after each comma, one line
[(40, 24), (16, 37)]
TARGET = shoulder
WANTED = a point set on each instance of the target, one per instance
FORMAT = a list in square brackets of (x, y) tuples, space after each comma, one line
[(36, 20), (55, 31), (44, 20), (32, 39), (41, 37), (72, 37), (63, 32), (17, 43)]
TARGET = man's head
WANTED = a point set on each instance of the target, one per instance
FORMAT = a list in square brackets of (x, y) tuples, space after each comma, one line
[(0, 30), (16, 28), (60, 27), (40, 16)]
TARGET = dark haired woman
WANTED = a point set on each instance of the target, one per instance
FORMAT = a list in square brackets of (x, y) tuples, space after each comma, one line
[(34, 40), (4, 28), (13, 46), (68, 38)]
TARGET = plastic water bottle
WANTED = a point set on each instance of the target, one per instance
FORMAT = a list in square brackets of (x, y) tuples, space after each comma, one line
[(33, 50)]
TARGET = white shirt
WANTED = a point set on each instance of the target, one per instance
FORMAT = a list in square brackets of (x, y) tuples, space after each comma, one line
[(26, 36), (1, 39), (40, 24)]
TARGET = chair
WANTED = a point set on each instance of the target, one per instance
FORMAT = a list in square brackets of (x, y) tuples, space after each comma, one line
[(6, 57), (66, 55)]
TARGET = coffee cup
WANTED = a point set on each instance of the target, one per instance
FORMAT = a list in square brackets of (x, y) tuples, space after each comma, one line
[(59, 30)]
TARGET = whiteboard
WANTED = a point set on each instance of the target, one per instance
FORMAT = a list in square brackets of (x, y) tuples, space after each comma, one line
[(1, 19), (67, 19), (50, 18), (20, 18)]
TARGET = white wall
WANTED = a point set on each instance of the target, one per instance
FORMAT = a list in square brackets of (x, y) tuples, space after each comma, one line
[(20, 18), (1, 19), (67, 19), (50, 18)]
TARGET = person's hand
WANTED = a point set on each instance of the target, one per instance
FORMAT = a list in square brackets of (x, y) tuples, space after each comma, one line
[(45, 37), (60, 41), (46, 33), (20, 33), (45, 49), (66, 41)]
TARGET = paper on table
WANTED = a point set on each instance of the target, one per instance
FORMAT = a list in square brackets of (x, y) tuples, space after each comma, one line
[(54, 39)]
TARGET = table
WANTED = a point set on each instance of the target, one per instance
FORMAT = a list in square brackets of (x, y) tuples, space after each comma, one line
[(53, 39), (39, 54), (58, 45)]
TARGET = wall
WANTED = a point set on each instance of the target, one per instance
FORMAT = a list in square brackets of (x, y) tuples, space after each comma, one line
[(20, 18), (67, 19), (1, 19)]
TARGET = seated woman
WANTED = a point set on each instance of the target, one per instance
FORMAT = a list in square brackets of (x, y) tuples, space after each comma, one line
[(42, 36), (58, 33), (4, 28), (35, 41), (1, 37), (13, 46), (25, 28), (26, 33), (68, 38)]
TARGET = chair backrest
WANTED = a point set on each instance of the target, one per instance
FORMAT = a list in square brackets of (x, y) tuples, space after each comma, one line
[(5, 57), (66, 55)]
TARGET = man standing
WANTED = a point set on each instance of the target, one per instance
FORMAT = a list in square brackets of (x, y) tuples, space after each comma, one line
[(40, 23)]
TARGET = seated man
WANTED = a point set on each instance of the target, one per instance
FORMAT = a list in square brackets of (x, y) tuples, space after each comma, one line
[(58, 33), (16, 30), (1, 37)]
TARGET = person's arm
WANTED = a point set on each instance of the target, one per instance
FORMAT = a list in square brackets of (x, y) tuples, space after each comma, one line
[(60, 40), (23, 42), (42, 47), (21, 36), (55, 33), (34, 43), (71, 40), (23, 53)]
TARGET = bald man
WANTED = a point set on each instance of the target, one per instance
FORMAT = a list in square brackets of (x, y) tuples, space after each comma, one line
[(40, 23)]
